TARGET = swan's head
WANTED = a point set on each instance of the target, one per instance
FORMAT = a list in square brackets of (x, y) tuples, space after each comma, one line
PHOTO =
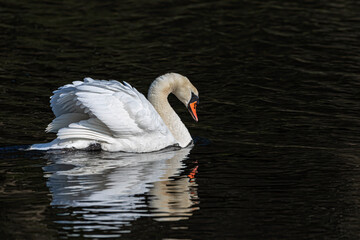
[(180, 86), (186, 93)]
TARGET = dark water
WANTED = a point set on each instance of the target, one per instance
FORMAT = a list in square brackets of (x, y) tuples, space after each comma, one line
[(280, 101)]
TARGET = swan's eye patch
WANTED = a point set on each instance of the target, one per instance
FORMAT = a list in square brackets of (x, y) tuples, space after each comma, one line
[(194, 98)]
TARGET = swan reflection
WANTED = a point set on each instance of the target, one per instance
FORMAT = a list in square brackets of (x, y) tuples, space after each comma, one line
[(117, 188)]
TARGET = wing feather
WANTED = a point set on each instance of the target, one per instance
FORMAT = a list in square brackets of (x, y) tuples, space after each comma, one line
[(65, 120), (119, 109), (90, 129)]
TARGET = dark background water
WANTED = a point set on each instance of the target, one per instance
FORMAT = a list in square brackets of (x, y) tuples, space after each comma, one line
[(279, 88)]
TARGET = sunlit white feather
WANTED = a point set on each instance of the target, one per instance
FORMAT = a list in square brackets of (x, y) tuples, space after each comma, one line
[(112, 114)]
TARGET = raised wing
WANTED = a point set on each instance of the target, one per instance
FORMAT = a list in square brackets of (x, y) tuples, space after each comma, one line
[(120, 107)]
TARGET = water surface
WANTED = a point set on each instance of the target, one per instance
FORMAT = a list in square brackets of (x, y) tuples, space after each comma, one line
[(279, 120)]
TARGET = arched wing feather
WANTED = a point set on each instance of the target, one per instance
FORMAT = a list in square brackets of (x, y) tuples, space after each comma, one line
[(120, 107), (64, 100)]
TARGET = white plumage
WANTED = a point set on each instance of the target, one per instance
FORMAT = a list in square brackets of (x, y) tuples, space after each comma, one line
[(114, 115)]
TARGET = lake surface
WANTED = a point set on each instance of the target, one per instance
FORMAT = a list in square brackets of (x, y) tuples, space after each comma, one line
[(277, 154)]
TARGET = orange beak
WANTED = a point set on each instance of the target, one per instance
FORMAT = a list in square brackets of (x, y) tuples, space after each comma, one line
[(192, 110)]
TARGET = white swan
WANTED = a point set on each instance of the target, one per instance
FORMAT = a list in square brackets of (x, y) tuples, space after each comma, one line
[(119, 118)]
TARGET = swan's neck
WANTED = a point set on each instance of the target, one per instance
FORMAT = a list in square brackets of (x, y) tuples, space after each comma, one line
[(158, 97)]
